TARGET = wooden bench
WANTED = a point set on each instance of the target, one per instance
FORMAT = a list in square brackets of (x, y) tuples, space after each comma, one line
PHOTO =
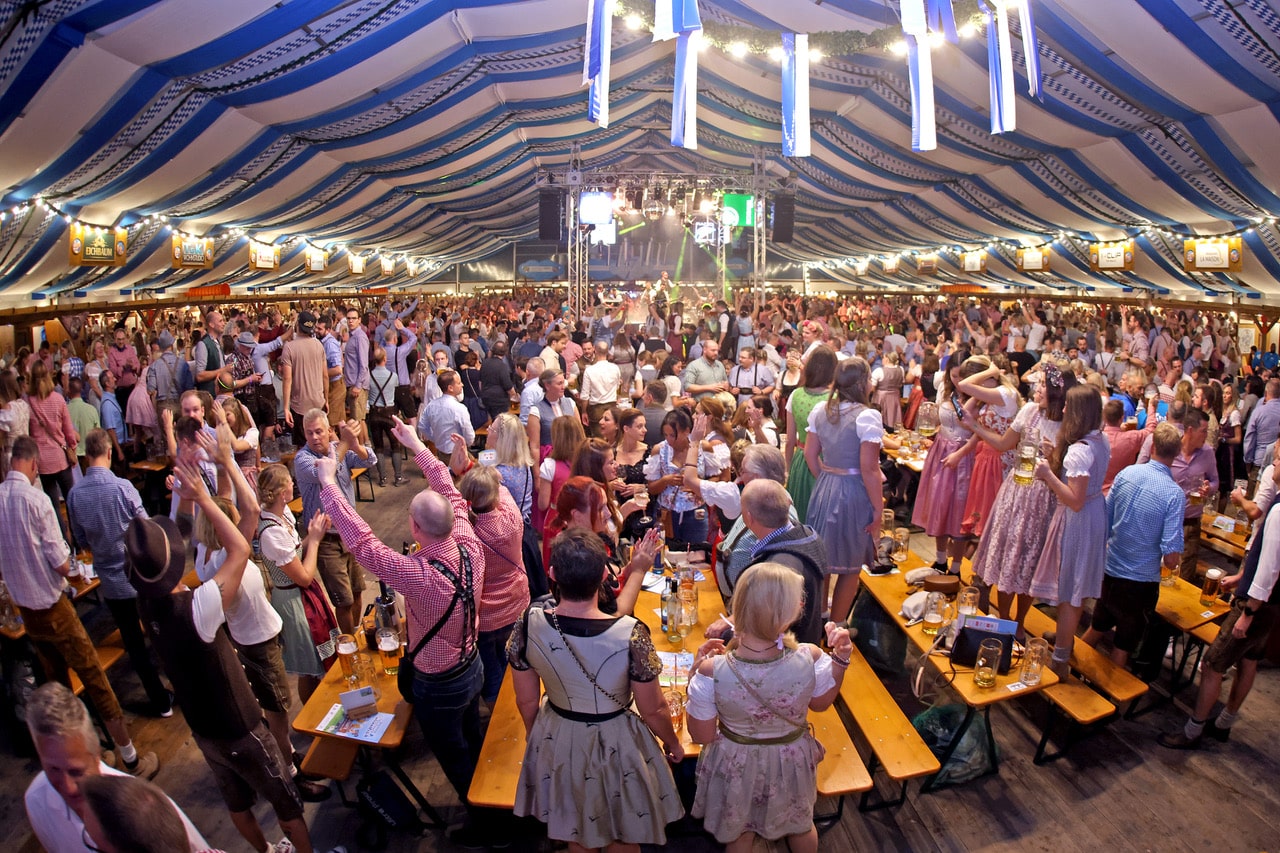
[(841, 771), (1078, 698), (331, 758), (358, 474), (493, 785), (894, 742)]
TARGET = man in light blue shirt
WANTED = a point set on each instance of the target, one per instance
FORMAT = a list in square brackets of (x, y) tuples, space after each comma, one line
[(1264, 427), (1144, 522)]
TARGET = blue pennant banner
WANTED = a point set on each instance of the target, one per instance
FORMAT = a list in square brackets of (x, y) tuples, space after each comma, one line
[(796, 138), (595, 59)]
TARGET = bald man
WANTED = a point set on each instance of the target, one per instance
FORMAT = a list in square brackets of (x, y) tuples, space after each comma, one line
[(441, 583)]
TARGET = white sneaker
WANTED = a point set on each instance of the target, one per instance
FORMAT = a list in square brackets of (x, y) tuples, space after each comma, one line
[(284, 845)]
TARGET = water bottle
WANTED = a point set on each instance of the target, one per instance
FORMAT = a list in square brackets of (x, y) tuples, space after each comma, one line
[(385, 615)]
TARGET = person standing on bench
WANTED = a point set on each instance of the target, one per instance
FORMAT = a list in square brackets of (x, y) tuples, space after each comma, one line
[(1241, 642), (36, 562), (102, 506), (341, 574), (208, 679), (749, 703), (1144, 523), (441, 583)]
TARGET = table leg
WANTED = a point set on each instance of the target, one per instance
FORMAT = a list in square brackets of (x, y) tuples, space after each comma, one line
[(434, 819)]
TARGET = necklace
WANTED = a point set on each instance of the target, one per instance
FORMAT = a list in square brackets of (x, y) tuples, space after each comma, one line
[(743, 643)]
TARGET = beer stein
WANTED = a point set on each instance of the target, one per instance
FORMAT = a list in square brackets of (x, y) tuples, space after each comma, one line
[(1212, 587), (1034, 659), (937, 610), (346, 653), (901, 537), (988, 663)]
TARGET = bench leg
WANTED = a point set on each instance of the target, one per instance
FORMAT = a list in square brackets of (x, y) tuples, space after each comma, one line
[(865, 804), (825, 821), (356, 483), (1042, 757)]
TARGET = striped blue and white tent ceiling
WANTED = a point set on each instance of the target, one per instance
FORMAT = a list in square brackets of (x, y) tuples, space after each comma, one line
[(419, 127)]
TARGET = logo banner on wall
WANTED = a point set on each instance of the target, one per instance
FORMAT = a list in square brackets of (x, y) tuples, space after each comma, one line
[(1213, 254), (926, 265), (1112, 257), (192, 253), (1034, 259), (388, 265), (263, 256), (97, 247), (891, 265)]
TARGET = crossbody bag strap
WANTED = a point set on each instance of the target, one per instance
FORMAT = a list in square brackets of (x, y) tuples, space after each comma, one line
[(760, 700), (459, 595), (555, 623)]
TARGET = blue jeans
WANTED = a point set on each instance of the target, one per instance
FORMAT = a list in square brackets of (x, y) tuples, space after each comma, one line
[(493, 654), (449, 714), (688, 528)]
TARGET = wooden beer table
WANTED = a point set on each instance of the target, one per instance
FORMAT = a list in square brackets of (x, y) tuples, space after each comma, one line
[(326, 696), (77, 588), (890, 591)]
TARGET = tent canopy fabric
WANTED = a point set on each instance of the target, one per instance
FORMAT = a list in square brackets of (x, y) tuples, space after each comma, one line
[(419, 127)]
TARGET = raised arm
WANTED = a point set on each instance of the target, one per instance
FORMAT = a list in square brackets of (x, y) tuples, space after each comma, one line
[(191, 487)]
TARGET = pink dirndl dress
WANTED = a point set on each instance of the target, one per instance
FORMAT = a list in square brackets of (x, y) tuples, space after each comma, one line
[(989, 464), (943, 491)]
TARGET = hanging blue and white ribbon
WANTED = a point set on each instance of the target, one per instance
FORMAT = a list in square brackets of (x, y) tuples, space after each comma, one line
[(924, 121), (915, 31), (1030, 48), (595, 59), (796, 138), (679, 19), (1000, 67), (942, 19)]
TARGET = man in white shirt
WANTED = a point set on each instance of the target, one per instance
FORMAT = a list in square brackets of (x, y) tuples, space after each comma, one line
[(598, 388), (532, 392), (67, 746), (446, 416), (749, 378), (1037, 330)]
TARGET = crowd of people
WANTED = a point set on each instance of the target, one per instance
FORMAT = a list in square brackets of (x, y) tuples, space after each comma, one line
[(560, 453)]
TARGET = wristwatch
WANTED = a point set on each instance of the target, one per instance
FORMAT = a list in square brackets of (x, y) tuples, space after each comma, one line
[(1250, 611)]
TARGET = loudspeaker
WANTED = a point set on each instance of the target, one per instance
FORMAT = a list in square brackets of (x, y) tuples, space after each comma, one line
[(784, 216), (548, 215)]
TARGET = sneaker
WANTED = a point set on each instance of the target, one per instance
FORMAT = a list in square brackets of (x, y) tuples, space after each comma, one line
[(146, 768), (311, 791), (382, 481), (400, 481), (1179, 740), (284, 845), (167, 709)]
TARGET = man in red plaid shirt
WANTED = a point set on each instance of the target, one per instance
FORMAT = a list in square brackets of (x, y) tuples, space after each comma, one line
[(441, 584)]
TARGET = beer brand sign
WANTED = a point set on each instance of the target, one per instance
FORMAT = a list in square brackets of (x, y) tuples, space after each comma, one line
[(97, 247), (974, 262), (891, 265), (1034, 259), (927, 265), (1213, 254), (317, 260), (263, 256), (191, 253), (1105, 257), (355, 264), (388, 265)]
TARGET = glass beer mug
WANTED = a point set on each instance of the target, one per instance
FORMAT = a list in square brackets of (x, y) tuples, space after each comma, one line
[(927, 419), (1212, 587), (937, 611), (901, 537), (1024, 470), (987, 664), (1033, 661)]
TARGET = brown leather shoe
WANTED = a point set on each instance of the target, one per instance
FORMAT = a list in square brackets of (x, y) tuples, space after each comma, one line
[(1179, 740)]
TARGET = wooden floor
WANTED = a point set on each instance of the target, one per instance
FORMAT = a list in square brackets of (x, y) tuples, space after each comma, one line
[(1117, 791)]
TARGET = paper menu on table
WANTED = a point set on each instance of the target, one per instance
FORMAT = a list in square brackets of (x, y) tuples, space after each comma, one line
[(675, 668), (368, 729)]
